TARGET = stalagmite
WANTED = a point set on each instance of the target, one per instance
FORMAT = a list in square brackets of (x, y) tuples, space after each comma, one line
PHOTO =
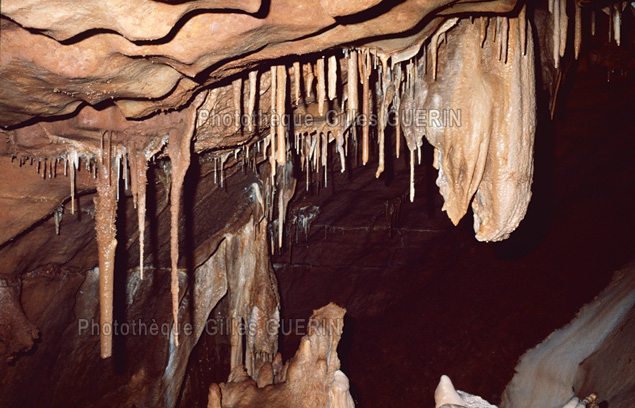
[(366, 68), (179, 153), (296, 83), (281, 100), (214, 397), (564, 25), (339, 393), (321, 94), (105, 216), (253, 89), (445, 394), (58, 214), (332, 78), (237, 87)]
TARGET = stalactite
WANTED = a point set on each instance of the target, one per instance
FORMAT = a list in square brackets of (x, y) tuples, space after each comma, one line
[(315, 150), (179, 153), (434, 42), (281, 100), (332, 78), (366, 68), (105, 216), (522, 21), (556, 32), (281, 216), (592, 22), (388, 93), (483, 33), (74, 164), (253, 90), (409, 68), (504, 39), (617, 23), (296, 83), (325, 152), (397, 104), (353, 93), (397, 130), (309, 77), (611, 30), (384, 65), (237, 87), (141, 176), (274, 119), (412, 175), (223, 159), (564, 25), (118, 170), (578, 29), (321, 78)]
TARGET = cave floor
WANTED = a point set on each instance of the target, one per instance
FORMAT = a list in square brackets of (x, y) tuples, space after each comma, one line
[(428, 299)]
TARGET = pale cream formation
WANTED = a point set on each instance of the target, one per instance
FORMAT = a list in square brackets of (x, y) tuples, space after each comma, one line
[(311, 379)]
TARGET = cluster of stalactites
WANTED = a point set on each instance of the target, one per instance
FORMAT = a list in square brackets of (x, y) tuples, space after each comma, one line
[(108, 164), (558, 10), (340, 80)]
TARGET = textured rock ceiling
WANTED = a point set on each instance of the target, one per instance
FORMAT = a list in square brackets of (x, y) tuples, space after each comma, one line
[(153, 56)]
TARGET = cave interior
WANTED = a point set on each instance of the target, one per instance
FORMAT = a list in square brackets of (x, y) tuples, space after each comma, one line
[(317, 204)]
